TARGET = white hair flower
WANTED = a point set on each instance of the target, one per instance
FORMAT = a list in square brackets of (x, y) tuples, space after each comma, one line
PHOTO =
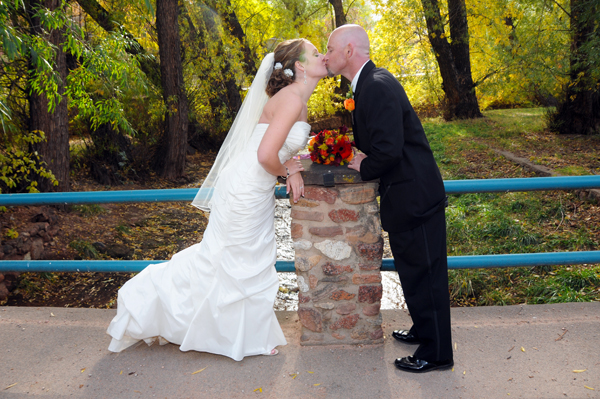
[(288, 72), (278, 66)]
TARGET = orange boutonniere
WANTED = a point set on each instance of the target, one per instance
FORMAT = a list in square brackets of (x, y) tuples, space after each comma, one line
[(349, 104), (349, 101)]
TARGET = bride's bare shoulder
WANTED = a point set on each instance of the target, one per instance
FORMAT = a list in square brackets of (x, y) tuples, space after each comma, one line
[(284, 101)]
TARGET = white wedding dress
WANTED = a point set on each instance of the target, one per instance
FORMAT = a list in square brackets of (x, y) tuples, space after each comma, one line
[(216, 296)]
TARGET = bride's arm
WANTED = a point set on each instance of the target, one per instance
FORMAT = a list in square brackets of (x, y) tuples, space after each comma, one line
[(285, 108)]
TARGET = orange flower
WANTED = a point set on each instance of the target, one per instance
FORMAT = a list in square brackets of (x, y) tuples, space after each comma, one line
[(349, 104)]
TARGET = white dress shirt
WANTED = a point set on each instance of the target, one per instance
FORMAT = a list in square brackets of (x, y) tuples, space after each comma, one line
[(355, 80)]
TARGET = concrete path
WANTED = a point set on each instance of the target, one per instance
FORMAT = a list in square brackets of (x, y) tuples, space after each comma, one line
[(540, 351)]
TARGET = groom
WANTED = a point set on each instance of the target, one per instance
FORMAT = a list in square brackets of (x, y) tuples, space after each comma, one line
[(412, 197)]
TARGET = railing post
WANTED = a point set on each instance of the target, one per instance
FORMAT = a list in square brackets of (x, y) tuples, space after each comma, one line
[(338, 243)]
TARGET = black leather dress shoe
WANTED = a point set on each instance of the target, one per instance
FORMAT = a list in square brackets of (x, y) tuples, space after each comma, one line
[(405, 336), (414, 365)]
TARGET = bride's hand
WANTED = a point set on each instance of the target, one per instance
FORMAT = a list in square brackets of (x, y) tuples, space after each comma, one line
[(295, 185), (294, 166)]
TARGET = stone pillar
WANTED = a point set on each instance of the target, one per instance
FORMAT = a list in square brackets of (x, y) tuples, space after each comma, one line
[(337, 238)]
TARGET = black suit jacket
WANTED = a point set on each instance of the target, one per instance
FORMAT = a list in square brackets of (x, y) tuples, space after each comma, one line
[(387, 129)]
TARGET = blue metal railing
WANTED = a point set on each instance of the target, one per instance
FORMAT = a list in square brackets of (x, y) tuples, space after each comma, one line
[(188, 194), (452, 187), (454, 262)]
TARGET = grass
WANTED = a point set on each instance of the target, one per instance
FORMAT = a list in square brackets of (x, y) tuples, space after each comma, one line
[(521, 222)]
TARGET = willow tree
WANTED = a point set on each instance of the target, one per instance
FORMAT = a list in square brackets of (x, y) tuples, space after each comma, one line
[(453, 58), (49, 115)]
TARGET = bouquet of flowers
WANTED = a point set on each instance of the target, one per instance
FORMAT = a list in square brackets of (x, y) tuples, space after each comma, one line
[(331, 147)]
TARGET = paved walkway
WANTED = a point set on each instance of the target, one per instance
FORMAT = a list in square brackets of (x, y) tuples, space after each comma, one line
[(530, 351)]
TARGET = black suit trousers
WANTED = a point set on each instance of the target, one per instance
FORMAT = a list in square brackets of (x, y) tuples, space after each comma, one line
[(421, 261)]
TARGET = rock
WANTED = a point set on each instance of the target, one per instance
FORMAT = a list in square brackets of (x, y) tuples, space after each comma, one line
[(307, 203), (341, 295), (370, 293), (303, 245), (37, 248), (7, 249), (345, 309), (330, 231), (372, 310), (359, 279), (377, 334), (311, 319), (100, 246), (302, 284), (303, 298), (3, 292), (343, 215), (320, 194), (371, 251), (119, 251), (323, 292), (346, 322), (296, 230), (357, 195), (325, 306), (336, 250), (314, 216), (329, 269)]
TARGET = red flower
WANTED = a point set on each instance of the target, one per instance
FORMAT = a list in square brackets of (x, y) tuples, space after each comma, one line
[(331, 147)]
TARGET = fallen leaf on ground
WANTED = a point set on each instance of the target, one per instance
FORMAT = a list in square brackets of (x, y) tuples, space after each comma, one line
[(589, 388), (258, 389), (310, 372), (316, 385), (83, 369), (579, 371), (522, 349), (198, 371), (12, 385)]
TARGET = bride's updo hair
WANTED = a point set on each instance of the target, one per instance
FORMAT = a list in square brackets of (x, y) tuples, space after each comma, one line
[(286, 53)]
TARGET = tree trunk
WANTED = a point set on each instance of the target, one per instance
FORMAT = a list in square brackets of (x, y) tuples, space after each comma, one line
[(148, 64), (338, 12), (225, 100), (344, 88), (234, 27), (453, 59), (170, 157), (55, 149), (580, 111)]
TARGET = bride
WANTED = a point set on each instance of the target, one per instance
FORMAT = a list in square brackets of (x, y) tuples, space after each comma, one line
[(217, 296)]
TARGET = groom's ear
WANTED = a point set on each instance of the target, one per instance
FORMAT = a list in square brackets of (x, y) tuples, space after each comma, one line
[(349, 50)]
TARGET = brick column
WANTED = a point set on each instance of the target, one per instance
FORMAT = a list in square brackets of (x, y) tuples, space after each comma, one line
[(337, 238)]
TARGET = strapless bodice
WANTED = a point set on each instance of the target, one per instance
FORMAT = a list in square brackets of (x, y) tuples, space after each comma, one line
[(295, 141)]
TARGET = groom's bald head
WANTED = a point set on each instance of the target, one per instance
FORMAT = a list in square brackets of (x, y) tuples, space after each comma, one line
[(353, 35), (347, 50)]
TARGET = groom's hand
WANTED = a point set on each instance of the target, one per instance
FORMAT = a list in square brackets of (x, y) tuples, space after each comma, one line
[(358, 158)]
